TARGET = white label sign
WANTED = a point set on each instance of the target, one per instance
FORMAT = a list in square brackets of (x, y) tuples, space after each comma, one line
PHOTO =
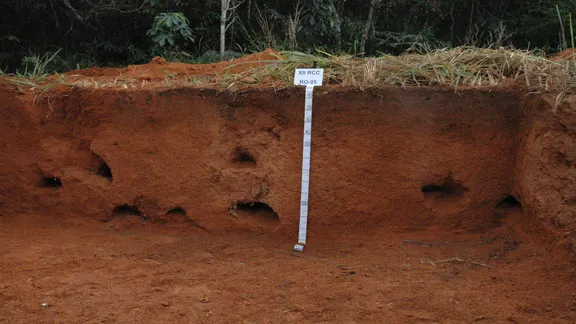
[(308, 77)]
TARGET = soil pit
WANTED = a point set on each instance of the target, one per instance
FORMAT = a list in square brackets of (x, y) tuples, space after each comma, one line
[(181, 204)]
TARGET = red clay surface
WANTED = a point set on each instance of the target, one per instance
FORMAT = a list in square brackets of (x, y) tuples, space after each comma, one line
[(127, 271)]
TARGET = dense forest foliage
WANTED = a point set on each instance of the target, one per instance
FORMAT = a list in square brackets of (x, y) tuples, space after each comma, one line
[(83, 33)]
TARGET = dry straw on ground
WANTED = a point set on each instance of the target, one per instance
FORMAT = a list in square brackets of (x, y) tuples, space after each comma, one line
[(446, 67), (462, 66)]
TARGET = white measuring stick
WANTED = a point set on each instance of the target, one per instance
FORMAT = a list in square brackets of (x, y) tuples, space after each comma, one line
[(306, 156), (310, 78)]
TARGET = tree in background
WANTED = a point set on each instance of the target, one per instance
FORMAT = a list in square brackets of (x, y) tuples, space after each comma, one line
[(168, 28), (369, 25), (227, 18), (119, 32), (294, 22)]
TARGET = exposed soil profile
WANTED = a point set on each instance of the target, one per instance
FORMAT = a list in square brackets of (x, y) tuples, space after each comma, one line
[(162, 204)]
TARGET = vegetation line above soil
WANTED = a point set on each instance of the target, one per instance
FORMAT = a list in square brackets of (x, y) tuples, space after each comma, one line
[(462, 66), (446, 67)]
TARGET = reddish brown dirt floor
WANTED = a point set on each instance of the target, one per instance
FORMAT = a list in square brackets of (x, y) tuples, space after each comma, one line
[(127, 271)]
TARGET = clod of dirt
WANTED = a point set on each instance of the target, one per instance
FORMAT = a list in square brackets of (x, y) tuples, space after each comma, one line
[(158, 60)]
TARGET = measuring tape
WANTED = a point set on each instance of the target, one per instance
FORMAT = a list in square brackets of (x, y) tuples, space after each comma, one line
[(310, 78)]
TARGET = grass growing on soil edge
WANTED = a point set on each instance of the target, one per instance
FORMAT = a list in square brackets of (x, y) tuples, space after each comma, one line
[(461, 66), (446, 67)]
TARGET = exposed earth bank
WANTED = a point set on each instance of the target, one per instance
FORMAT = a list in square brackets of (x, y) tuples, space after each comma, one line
[(393, 170), (397, 158)]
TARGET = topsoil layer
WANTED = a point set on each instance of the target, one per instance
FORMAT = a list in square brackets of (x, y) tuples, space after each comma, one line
[(154, 203)]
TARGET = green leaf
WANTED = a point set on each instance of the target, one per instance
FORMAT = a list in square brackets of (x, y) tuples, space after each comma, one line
[(170, 27)]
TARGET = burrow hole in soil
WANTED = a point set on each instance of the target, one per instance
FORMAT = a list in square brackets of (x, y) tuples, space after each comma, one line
[(243, 157), (126, 210), (509, 202), (176, 212), (448, 188), (258, 212), (50, 182), (104, 171), (102, 168), (507, 207)]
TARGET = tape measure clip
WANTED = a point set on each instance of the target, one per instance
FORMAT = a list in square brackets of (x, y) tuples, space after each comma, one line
[(299, 247)]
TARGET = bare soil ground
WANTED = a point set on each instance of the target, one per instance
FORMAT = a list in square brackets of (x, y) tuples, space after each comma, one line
[(130, 271)]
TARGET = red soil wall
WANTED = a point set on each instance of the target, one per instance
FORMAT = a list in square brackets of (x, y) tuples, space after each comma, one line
[(374, 153), (546, 167)]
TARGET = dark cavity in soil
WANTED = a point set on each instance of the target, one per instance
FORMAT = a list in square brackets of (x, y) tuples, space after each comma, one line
[(243, 157), (104, 171), (50, 182), (258, 212), (507, 208), (509, 202), (176, 212), (448, 188), (126, 210)]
